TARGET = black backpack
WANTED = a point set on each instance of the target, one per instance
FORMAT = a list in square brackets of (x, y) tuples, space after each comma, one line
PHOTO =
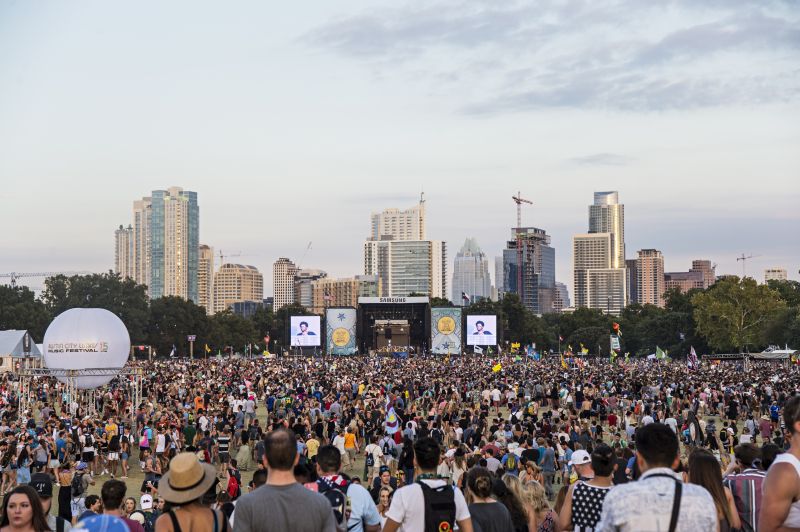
[(440, 507), (387, 448), (76, 486), (337, 496), (437, 435)]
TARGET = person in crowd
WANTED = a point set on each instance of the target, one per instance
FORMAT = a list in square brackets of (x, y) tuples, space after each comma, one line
[(704, 471), (184, 487), (745, 481), (584, 501), (363, 512), (112, 494), (487, 513), (658, 500), (94, 506), (282, 504), (408, 510), (22, 511), (780, 502), (43, 484)]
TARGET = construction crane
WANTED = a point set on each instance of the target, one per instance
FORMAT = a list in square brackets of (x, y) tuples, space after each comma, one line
[(744, 259), (222, 257), (519, 200), (303, 258), (17, 275)]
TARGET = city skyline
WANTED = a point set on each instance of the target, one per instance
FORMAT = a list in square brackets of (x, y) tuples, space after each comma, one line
[(294, 125)]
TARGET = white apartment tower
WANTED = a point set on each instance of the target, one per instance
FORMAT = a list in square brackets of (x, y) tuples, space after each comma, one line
[(283, 273), (123, 252), (394, 224)]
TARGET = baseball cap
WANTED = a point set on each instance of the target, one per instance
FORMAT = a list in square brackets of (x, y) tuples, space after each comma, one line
[(146, 502), (580, 457), (102, 523), (43, 485)]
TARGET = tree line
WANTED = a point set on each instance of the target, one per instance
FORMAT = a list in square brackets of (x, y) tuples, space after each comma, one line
[(732, 315)]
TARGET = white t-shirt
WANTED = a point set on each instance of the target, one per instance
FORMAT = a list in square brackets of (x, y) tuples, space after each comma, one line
[(338, 442), (376, 453), (408, 506)]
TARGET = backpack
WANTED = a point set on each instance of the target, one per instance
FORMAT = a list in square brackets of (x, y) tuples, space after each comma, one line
[(437, 435), (76, 486), (440, 507), (370, 460), (511, 462), (337, 496), (387, 449), (88, 441)]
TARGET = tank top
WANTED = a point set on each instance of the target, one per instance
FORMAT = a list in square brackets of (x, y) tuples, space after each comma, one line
[(793, 519), (587, 505)]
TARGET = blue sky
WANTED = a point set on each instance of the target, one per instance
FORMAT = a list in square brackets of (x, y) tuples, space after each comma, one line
[(294, 121)]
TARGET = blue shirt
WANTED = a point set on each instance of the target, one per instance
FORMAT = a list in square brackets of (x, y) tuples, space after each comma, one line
[(363, 509)]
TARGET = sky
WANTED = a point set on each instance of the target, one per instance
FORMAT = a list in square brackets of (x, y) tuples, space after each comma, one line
[(294, 121)]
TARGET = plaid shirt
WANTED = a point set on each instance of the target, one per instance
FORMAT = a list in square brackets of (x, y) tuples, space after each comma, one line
[(746, 489)]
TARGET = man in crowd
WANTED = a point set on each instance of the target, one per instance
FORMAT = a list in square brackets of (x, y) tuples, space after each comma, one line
[(113, 495), (363, 512), (659, 500), (745, 481), (283, 505), (43, 485)]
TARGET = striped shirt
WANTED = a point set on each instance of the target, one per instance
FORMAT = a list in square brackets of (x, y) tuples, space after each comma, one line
[(746, 489)]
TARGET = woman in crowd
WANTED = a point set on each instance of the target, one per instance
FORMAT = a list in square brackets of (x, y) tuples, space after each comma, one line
[(22, 511), (519, 519), (384, 502), (487, 513), (184, 487), (704, 470)]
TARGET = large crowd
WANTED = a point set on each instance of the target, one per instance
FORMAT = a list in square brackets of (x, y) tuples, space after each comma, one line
[(425, 443)]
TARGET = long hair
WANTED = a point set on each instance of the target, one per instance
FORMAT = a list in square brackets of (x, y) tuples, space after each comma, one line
[(704, 471), (518, 515), (38, 521)]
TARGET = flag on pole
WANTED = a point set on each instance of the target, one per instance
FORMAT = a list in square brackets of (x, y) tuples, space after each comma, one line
[(660, 354), (208, 349), (693, 362), (392, 422), (627, 357), (584, 351), (560, 338), (478, 349), (172, 353), (497, 367), (616, 328), (465, 297), (563, 362)]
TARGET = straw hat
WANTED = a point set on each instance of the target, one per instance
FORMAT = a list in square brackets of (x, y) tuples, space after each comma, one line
[(186, 480)]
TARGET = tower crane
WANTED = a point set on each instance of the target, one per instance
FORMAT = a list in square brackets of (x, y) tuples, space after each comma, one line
[(519, 200), (222, 257), (744, 259), (17, 275)]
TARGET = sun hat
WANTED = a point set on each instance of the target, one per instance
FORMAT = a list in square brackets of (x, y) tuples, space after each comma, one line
[(187, 479), (580, 457)]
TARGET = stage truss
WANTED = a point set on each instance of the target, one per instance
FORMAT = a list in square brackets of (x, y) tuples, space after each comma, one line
[(130, 377)]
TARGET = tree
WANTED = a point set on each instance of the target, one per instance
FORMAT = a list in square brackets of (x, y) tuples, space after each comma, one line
[(789, 291), (441, 302), (109, 291), (19, 309), (733, 312), (172, 319), (229, 329)]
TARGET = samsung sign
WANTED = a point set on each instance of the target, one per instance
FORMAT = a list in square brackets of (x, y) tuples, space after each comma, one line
[(391, 300)]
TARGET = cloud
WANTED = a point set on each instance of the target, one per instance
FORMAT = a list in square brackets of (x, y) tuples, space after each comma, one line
[(632, 56), (601, 159)]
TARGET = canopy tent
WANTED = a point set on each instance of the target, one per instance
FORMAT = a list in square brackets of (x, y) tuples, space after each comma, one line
[(12, 344), (775, 354)]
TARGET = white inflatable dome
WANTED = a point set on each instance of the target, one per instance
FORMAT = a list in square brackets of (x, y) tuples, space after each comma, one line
[(84, 338)]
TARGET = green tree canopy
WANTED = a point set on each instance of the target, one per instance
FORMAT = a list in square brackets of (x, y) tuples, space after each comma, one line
[(734, 312), (19, 309)]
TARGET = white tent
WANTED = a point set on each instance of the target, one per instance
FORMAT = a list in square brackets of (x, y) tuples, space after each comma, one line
[(775, 353), (12, 348)]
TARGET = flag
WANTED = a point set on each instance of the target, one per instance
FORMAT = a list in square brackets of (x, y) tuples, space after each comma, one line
[(208, 349), (613, 356), (392, 422), (497, 367), (569, 349), (266, 339), (478, 349), (465, 297), (563, 363), (693, 362), (627, 357), (584, 351), (172, 353), (560, 338), (616, 328), (660, 354)]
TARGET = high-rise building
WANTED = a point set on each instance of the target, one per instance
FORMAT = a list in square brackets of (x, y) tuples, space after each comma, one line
[(538, 269), (630, 281), (470, 274), (407, 266), (123, 252), (234, 283), (775, 274), (650, 286), (599, 272), (394, 224), (596, 284), (499, 286), (329, 292), (701, 276), (562, 297), (303, 294), (283, 271), (165, 243), (607, 215), (205, 278)]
